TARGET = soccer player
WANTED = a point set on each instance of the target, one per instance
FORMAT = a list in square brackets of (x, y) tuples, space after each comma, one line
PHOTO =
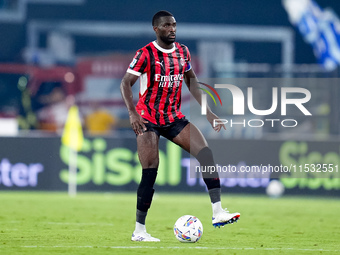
[(161, 66)]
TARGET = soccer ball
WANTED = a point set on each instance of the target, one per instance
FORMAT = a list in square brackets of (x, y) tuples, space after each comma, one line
[(188, 229), (275, 189)]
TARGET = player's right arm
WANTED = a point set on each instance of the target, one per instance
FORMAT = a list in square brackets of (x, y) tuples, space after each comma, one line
[(136, 121)]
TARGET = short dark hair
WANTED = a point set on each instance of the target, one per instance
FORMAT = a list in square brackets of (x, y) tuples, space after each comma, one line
[(158, 15)]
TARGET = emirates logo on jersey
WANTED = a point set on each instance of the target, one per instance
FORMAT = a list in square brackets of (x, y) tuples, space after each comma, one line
[(175, 77), (168, 80)]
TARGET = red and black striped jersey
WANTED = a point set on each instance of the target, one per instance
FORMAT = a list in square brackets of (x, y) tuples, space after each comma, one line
[(161, 74)]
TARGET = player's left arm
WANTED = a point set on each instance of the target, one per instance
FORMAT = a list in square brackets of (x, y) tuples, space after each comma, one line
[(191, 81)]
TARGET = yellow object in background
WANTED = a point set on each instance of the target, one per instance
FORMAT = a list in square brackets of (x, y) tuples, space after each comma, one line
[(73, 132), (99, 122)]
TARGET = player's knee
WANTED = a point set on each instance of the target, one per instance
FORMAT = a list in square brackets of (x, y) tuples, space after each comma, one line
[(150, 162), (153, 164), (205, 157)]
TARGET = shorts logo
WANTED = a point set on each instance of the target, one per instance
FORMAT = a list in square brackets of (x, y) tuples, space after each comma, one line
[(133, 62)]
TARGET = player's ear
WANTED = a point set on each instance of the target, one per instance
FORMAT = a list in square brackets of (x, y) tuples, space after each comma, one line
[(155, 28)]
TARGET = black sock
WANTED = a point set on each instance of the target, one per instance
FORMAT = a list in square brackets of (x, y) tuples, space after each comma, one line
[(215, 195), (211, 179), (141, 216), (145, 189), (206, 159)]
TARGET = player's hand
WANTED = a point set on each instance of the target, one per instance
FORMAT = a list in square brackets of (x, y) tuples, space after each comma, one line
[(137, 123), (211, 117)]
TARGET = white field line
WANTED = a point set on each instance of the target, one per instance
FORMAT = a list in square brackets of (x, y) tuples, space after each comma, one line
[(185, 247), (79, 223), (70, 223)]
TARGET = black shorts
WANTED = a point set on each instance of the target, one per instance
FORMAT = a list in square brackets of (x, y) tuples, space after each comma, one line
[(169, 131)]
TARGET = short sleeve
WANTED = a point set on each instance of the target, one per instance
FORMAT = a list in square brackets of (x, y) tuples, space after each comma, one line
[(138, 63)]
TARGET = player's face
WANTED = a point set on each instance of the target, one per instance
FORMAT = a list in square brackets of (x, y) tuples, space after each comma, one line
[(166, 30)]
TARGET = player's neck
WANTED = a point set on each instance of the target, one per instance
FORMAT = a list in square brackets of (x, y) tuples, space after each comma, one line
[(164, 45)]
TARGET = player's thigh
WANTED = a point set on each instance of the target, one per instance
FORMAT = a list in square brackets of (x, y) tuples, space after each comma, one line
[(191, 139), (147, 147)]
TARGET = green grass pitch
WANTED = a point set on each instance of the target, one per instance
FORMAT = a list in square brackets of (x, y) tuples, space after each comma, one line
[(102, 223)]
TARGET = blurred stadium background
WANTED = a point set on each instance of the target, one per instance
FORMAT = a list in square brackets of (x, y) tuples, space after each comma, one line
[(56, 51)]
